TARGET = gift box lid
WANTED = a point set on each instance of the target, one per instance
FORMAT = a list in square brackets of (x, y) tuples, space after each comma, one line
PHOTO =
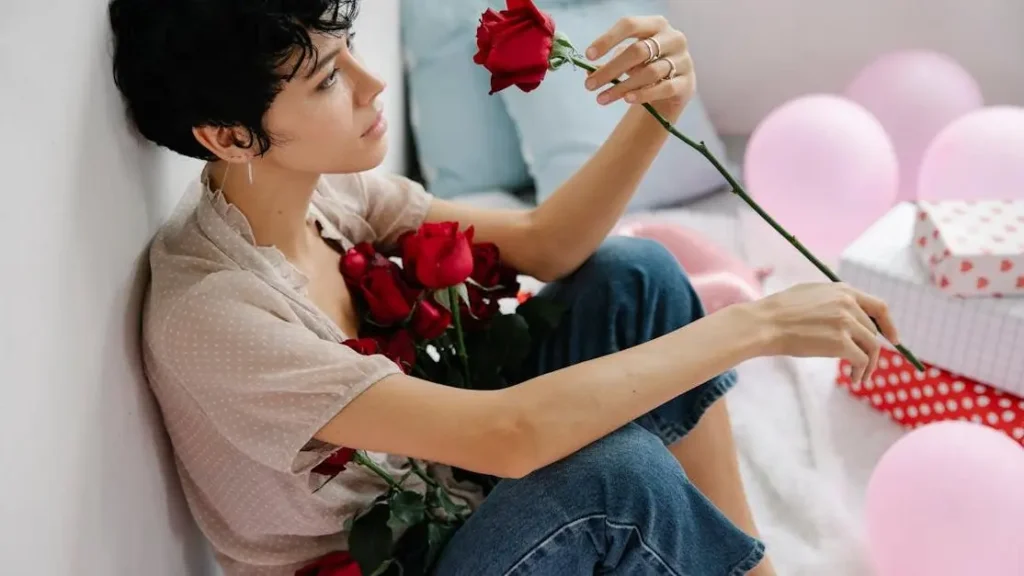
[(973, 248), (980, 338), (987, 227)]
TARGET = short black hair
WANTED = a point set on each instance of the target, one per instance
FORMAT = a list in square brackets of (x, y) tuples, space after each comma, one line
[(180, 64)]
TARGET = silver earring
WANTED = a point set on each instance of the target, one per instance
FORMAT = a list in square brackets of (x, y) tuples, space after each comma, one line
[(249, 164)]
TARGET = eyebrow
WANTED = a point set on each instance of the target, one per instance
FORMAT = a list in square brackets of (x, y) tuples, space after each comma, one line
[(323, 61)]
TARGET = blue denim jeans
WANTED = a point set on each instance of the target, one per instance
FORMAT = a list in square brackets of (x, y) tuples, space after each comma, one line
[(623, 504)]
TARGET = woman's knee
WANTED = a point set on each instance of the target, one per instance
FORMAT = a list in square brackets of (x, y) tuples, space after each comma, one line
[(628, 464), (645, 276), (626, 257)]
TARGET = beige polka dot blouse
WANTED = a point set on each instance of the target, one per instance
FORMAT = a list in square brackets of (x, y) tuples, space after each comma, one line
[(246, 370)]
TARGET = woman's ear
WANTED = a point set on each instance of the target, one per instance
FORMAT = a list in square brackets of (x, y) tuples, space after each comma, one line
[(223, 142)]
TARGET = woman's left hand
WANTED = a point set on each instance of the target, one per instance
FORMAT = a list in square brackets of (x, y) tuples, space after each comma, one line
[(658, 66)]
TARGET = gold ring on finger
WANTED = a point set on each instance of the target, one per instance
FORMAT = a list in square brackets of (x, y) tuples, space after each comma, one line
[(671, 70), (653, 50)]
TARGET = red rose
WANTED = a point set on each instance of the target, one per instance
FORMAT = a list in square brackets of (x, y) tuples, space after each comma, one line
[(486, 264), (489, 272), (333, 564), (356, 261), (480, 310), (365, 346), (400, 348), (514, 45), (389, 298), (335, 463), (430, 320), (439, 255), (406, 250)]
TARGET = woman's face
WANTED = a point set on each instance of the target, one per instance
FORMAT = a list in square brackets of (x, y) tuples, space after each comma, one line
[(327, 119)]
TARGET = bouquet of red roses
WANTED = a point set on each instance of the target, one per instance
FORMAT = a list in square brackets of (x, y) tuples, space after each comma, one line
[(432, 307)]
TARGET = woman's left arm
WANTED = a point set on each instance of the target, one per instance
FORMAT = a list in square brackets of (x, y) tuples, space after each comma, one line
[(553, 239)]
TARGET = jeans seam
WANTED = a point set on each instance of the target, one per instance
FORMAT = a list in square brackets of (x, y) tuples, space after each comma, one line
[(750, 561), (571, 525), (672, 432)]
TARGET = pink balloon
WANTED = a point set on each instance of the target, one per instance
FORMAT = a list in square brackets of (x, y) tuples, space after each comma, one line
[(980, 156), (947, 500), (719, 278), (914, 94), (824, 168)]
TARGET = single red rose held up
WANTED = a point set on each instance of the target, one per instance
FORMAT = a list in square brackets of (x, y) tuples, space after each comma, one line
[(515, 45)]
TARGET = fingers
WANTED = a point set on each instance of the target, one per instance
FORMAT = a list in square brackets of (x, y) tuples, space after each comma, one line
[(878, 310), (631, 27), (669, 45), (684, 85), (868, 348), (639, 77), (858, 359)]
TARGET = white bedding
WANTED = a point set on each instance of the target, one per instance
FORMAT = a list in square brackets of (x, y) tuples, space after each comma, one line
[(806, 447)]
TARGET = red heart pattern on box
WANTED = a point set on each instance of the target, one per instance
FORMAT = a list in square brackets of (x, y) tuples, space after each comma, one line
[(973, 248)]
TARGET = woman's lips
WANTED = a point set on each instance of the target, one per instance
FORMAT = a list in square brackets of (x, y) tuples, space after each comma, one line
[(378, 128)]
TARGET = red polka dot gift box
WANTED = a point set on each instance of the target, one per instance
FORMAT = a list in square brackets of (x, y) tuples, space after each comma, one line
[(972, 248), (913, 398), (981, 338)]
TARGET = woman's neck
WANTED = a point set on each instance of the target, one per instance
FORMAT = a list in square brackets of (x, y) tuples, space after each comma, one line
[(275, 203)]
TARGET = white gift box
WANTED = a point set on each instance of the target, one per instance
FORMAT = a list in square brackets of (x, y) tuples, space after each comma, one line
[(972, 248), (980, 338)]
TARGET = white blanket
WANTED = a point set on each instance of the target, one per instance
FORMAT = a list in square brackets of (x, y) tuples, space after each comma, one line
[(807, 449)]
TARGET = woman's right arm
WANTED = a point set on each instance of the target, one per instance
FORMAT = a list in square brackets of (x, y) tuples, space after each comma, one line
[(512, 432)]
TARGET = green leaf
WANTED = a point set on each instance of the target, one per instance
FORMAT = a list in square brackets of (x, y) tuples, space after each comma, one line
[(446, 502), (510, 335), (369, 542), (441, 297), (411, 550), (407, 507), (542, 314), (463, 293), (438, 535)]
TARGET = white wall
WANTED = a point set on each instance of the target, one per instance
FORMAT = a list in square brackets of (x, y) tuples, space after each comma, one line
[(753, 55), (87, 485)]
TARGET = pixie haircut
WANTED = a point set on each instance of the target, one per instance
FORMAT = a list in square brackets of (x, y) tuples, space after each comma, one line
[(180, 64)]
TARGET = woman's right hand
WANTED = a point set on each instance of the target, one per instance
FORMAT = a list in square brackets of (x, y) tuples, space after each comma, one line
[(826, 320)]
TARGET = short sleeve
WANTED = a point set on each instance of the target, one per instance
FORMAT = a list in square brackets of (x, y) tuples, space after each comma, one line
[(394, 204), (265, 381)]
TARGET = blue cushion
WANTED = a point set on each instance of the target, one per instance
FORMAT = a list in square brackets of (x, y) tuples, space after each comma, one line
[(465, 140), (561, 125)]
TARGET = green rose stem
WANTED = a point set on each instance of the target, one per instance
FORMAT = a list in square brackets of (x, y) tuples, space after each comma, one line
[(422, 474), (563, 51), (364, 460), (460, 343)]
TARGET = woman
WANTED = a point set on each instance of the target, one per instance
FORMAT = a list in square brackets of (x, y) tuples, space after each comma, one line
[(246, 311)]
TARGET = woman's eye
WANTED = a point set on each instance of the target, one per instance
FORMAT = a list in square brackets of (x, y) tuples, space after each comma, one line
[(329, 81)]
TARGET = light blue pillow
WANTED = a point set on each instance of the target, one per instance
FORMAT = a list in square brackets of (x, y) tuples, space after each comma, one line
[(561, 125), (465, 140)]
